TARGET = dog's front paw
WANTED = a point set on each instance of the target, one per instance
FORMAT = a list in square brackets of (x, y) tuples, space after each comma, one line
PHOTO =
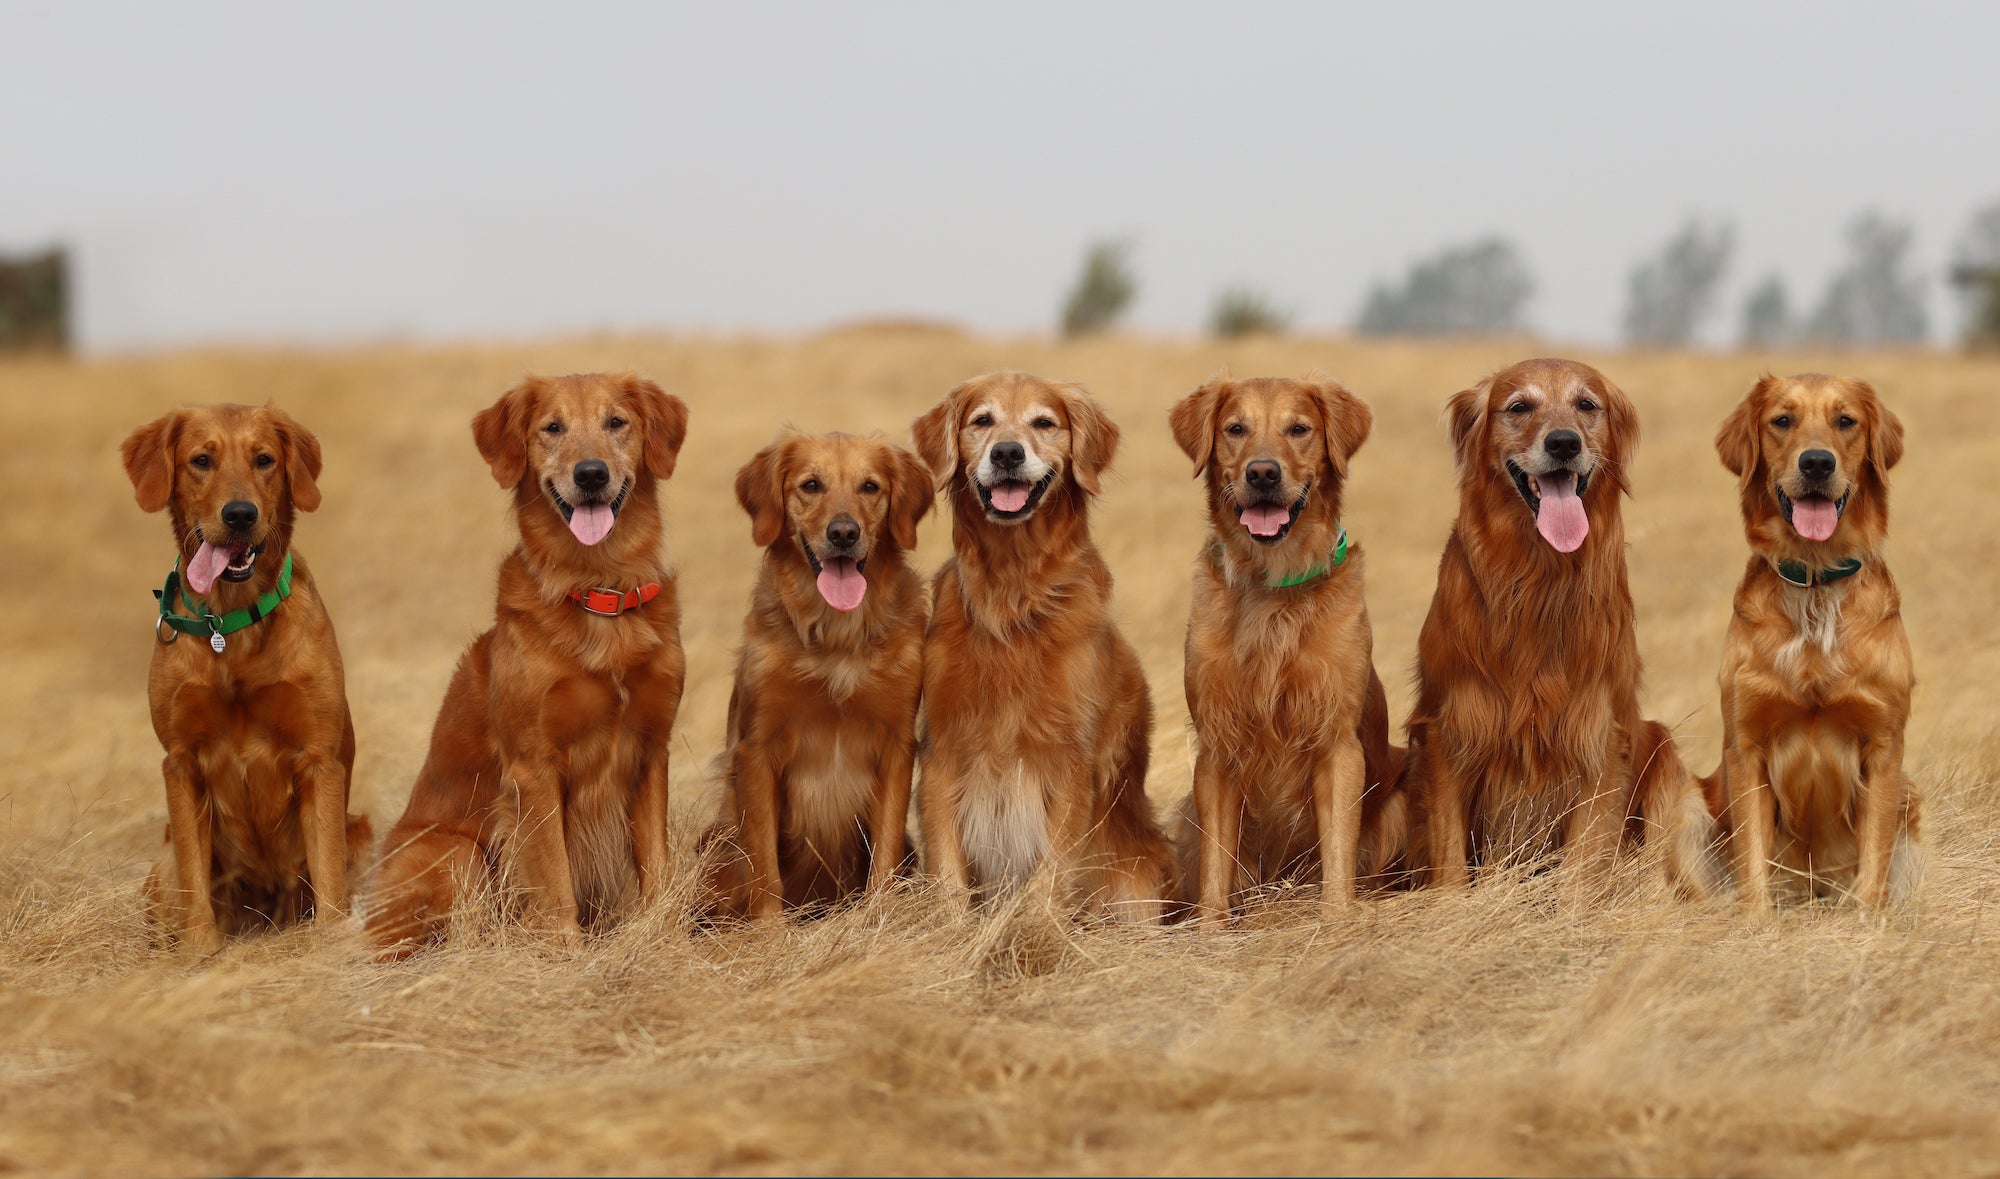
[(198, 942)]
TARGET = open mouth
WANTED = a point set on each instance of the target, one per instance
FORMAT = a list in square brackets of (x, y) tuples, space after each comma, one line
[(1556, 499), (233, 562), (1013, 499), (1269, 523), (842, 581), (589, 523), (1813, 516)]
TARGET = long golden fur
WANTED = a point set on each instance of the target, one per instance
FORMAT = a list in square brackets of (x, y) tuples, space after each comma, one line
[(1036, 715), (1294, 776), (1816, 680), (821, 735), (1526, 736), (259, 744), (549, 756)]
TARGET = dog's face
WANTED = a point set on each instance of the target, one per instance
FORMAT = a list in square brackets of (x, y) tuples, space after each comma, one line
[(1554, 430), (1268, 447), (1008, 439), (232, 475), (841, 499), (1805, 446), (581, 443)]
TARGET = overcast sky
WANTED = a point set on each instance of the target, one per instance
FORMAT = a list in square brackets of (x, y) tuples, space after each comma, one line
[(329, 172)]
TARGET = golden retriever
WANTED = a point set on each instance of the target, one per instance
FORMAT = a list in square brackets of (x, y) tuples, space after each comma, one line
[(1816, 672), (247, 691), (549, 756), (1036, 714), (822, 718), (1294, 776), (1526, 737)]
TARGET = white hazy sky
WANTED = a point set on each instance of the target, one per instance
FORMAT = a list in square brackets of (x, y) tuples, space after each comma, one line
[(270, 172)]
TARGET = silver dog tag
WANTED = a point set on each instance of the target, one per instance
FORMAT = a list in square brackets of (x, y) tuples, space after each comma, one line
[(218, 642)]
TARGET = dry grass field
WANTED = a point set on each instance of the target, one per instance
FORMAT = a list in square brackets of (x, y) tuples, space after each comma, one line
[(1486, 1033)]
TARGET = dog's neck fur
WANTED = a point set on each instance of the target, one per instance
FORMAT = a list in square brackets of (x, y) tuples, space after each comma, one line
[(1013, 574), (796, 607), (634, 553), (1545, 589), (1309, 544)]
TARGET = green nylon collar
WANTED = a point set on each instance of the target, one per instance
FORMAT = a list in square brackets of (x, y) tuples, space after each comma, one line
[(1800, 574), (217, 625), (1338, 559)]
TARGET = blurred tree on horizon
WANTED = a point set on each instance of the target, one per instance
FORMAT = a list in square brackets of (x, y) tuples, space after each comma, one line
[(1874, 298), (1767, 315), (1669, 294), (1244, 311), (1103, 291), (1976, 276), (1477, 288)]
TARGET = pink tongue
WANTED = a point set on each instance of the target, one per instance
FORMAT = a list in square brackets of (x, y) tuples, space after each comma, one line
[(1815, 517), (591, 523), (206, 565), (841, 584), (1560, 519), (1011, 496), (1265, 519)]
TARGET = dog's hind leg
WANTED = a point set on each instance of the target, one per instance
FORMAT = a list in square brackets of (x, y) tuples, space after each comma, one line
[(415, 887), (1675, 810)]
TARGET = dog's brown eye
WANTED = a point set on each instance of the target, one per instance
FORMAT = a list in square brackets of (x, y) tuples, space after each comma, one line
[(614, 423), (1236, 429), (553, 428), (1846, 422), (1300, 429), (201, 462), (265, 462), (871, 487), (1587, 405), (1783, 421), (1519, 407), (810, 487), (1045, 423), (983, 420)]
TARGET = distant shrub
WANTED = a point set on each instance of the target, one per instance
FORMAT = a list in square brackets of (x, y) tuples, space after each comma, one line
[(1479, 288), (1103, 290), (1670, 294), (1240, 311), (1767, 315)]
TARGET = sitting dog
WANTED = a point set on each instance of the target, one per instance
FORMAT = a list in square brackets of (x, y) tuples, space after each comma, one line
[(247, 691), (550, 751), (1816, 671), (1294, 778), (822, 718), (1526, 738), (1036, 714)]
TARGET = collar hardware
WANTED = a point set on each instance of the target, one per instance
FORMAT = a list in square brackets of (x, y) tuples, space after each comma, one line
[(1804, 576), (207, 623), (610, 603)]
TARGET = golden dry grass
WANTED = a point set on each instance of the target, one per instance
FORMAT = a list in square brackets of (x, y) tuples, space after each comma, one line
[(1491, 1033)]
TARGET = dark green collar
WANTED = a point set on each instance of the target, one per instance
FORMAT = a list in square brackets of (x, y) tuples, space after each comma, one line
[(1804, 576), (1333, 561), (217, 625)]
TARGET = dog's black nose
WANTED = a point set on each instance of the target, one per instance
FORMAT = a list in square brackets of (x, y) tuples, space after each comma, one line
[(1563, 445), (843, 534), (1817, 464), (592, 475), (239, 516), (1008, 454), (1264, 475)]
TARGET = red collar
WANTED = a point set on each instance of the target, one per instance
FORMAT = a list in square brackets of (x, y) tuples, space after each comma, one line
[(611, 603)]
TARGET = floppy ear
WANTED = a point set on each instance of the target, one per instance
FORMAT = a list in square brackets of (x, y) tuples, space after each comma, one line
[(1193, 423), (1466, 411), (936, 434), (149, 461), (665, 419), (1348, 422), (910, 495), (500, 431), (1885, 431), (302, 461), (760, 488), (1737, 440), (1093, 438), (1623, 419)]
